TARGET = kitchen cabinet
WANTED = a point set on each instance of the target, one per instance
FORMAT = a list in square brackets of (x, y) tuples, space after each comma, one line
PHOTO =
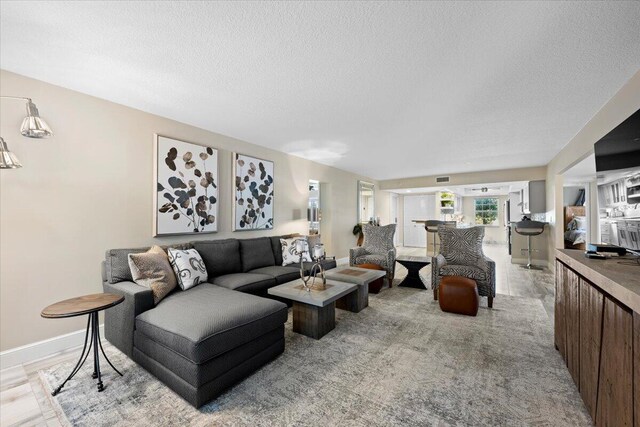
[(421, 207), (632, 186), (618, 192), (533, 197), (598, 336), (613, 194), (629, 234)]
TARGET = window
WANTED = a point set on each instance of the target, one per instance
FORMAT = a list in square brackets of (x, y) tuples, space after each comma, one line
[(486, 209)]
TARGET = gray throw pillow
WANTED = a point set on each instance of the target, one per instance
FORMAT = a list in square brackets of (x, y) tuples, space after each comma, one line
[(188, 266), (152, 270)]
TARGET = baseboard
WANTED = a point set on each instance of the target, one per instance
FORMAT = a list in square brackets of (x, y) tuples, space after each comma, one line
[(342, 261), (41, 349)]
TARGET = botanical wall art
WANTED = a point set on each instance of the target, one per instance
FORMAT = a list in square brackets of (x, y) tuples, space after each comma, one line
[(253, 189), (186, 181)]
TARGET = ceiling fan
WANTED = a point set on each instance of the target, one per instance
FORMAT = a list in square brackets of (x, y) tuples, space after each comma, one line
[(485, 189)]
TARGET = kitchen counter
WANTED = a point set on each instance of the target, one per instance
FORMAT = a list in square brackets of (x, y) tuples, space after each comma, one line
[(621, 281)]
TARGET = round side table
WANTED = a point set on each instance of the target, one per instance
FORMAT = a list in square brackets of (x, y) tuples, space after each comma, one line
[(89, 305)]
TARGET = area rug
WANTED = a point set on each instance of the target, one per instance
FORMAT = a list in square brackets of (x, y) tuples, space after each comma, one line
[(401, 361)]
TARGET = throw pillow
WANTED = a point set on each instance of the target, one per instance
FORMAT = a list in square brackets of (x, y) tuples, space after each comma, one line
[(461, 246), (581, 222), (188, 266), (152, 270), (289, 250)]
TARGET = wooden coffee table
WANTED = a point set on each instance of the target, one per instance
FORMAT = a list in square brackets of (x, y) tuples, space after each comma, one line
[(89, 305), (314, 312), (414, 264), (358, 300)]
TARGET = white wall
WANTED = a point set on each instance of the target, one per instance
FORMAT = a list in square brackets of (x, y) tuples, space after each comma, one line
[(570, 195), (89, 188)]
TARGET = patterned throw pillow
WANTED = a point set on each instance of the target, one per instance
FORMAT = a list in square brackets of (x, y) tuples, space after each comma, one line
[(188, 266), (152, 270), (461, 246), (289, 248)]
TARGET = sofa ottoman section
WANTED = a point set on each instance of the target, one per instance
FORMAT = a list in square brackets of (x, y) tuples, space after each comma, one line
[(198, 374), (198, 396), (209, 320)]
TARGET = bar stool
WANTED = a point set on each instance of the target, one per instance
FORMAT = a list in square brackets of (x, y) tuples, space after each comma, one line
[(432, 227), (530, 228)]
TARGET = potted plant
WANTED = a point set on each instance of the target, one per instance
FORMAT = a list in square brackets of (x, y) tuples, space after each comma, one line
[(357, 231)]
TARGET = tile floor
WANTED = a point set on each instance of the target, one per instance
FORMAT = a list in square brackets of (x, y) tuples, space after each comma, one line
[(23, 400)]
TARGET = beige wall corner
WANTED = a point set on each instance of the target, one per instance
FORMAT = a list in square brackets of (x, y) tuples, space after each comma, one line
[(89, 188)]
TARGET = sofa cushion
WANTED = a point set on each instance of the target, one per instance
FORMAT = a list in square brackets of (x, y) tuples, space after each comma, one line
[(152, 270), (276, 247), (246, 282), (220, 256), (256, 253), (188, 267), (327, 264), (281, 274), (290, 248), (208, 320), (117, 262)]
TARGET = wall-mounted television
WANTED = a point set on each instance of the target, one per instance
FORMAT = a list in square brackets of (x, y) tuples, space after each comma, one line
[(620, 148)]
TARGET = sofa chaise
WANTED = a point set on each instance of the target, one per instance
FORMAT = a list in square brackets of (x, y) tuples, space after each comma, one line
[(202, 340)]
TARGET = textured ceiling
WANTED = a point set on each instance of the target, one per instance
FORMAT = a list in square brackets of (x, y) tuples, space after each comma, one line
[(387, 90)]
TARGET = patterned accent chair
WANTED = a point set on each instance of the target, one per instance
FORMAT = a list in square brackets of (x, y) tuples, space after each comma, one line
[(461, 255), (377, 248)]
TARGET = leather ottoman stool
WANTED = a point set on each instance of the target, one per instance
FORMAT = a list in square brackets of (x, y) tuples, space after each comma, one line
[(376, 285), (458, 294)]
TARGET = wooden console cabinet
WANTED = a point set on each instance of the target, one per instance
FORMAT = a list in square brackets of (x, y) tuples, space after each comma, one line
[(597, 332)]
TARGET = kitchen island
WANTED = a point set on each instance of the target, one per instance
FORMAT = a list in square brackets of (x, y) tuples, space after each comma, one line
[(597, 332)]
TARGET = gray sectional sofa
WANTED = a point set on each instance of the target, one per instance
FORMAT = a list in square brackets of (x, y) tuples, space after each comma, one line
[(203, 340)]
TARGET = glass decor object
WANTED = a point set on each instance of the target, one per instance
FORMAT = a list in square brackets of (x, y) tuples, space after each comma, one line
[(33, 126), (8, 160)]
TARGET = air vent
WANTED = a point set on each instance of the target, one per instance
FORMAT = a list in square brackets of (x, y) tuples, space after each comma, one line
[(442, 179)]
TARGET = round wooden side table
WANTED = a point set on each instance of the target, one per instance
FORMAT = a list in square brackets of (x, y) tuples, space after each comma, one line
[(89, 305)]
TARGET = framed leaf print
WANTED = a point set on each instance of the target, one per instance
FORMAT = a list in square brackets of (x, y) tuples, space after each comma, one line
[(185, 189), (253, 193)]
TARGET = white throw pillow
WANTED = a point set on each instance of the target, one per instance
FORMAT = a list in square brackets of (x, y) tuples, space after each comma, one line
[(188, 266), (288, 250)]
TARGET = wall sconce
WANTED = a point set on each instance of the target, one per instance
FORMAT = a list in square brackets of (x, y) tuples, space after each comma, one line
[(33, 126)]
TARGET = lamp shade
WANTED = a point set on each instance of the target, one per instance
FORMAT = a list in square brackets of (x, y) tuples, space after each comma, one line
[(8, 160), (32, 125)]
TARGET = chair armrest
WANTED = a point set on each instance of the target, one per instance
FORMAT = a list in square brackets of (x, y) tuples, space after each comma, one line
[(491, 268), (437, 263), (391, 263), (119, 321), (355, 253)]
